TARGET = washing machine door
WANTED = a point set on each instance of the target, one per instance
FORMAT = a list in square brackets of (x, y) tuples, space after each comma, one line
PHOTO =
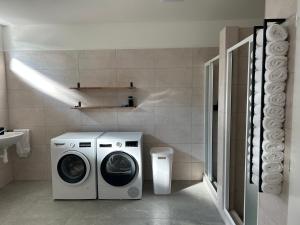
[(73, 167), (118, 168)]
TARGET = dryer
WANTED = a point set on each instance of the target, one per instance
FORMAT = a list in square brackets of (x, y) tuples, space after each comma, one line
[(119, 165), (73, 160)]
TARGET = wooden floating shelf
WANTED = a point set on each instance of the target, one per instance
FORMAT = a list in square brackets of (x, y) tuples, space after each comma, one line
[(101, 107), (103, 88)]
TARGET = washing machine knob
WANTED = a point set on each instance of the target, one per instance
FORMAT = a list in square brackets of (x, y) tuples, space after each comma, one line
[(119, 144), (72, 145)]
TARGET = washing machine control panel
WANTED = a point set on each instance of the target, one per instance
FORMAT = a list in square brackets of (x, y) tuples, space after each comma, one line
[(132, 144), (72, 145), (119, 144)]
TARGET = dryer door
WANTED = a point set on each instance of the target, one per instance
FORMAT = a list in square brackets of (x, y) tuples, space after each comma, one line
[(73, 167), (118, 168)]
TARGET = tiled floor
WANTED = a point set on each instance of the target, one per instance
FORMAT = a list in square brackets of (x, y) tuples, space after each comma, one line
[(30, 203)]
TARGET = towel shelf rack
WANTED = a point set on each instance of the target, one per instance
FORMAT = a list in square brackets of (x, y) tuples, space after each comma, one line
[(262, 99)]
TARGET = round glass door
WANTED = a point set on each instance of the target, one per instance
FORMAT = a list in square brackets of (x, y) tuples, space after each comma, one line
[(73, 168), (118, 168)]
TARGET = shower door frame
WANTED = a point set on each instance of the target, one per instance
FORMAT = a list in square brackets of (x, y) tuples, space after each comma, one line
[(229, 60), (208, 115)]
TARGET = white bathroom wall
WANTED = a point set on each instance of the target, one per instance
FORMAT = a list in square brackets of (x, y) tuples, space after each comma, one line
[(135, 35), (5, 169)]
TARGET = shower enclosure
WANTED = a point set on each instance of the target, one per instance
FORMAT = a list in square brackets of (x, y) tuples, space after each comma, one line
[(211, 120), (240, 196)]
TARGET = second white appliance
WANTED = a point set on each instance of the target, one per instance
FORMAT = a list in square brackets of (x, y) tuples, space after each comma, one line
[(119, 165)]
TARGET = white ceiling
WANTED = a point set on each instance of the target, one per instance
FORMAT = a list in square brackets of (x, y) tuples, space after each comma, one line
[(20, 12)]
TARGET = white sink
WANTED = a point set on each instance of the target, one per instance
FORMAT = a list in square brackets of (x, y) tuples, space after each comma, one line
[(7, 140)]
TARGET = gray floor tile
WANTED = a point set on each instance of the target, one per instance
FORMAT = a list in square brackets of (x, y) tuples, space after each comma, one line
[(30, 203)]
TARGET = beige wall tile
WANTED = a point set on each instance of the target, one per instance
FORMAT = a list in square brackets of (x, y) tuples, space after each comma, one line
[(197, 171), (135, 58), (140, 77), (19, 99), (177, 77), (197, 134), (106, 119), (168, 58), (198, 76), (61, 116), (36, 167), (37, 60), (198, 153), (99, 77), (280, 8), (198, 115), (173, 116), (173, 97), (182, 171), (202, 55), (98, 59), (20, 118)]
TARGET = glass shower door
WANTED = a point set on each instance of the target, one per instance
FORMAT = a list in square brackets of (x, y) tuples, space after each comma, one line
[(211, 120), (240, 196)]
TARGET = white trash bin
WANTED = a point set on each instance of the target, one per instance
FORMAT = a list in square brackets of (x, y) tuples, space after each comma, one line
[(162, 159)]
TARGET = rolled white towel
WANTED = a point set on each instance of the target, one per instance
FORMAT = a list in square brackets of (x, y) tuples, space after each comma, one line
[(276, 32), (258, 76), (255, 179), (255, 170), (271, 188), (272, 157), (277, 48), (277, 99), (258, 64), (249, 149), (272, 178), (276, 134), (257, 98), (257, 88), (272, 167), (256, 160), (272, 146), (256, 151), (274, 87), (256, 141), (256, 120), (257, 109), (271, 123), (256, 131), (273, 111), (275, 62), (276, 75), (260, 37), (259, 53)]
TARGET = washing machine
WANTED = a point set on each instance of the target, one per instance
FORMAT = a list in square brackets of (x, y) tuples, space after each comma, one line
[(119, 165), (73, 160)]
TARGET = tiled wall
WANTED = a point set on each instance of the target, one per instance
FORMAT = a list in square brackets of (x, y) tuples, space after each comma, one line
[(169, 95), (5, 169)]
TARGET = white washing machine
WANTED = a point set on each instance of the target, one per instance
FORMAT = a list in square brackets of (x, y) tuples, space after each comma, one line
[(73, 159), (119, 165)]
